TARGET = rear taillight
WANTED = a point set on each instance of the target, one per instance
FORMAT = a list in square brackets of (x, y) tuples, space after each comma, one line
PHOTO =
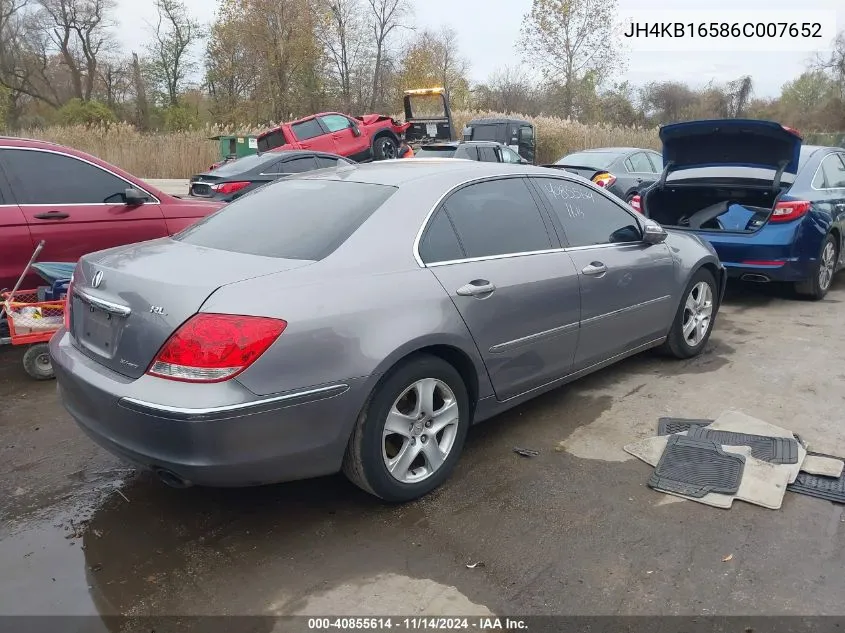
[(230, 187), (215, 347), (68, 302), (788, 210), (792, 130), (637, 203), (604, 179)]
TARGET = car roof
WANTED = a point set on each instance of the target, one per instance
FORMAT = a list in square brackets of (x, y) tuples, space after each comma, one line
[(618, 150), (443, 171), (456, 144)]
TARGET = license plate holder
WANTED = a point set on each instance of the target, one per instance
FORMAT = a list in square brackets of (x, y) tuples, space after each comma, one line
[(98, 330)]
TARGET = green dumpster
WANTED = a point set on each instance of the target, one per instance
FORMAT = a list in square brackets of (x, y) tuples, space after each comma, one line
[(236, 146)]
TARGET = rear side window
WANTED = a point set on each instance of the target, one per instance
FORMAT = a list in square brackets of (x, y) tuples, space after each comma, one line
[(470, 152), (834, 172), (307, 129), (290, 219), (271, 140), (325, 161), (439, 242), (487, 154), (639, 163), (299, 165), (48, 178), (497, 217)]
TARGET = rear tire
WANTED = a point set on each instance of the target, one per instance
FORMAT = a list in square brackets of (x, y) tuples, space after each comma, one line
[(695, 317), (399, 463), (37, 362), (816, 287), (384, 148)]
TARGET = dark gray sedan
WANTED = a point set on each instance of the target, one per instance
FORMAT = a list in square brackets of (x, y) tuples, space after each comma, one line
[(623, 171), (233, 179), (363, 318)]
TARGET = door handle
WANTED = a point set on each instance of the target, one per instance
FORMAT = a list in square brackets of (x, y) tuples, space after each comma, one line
[(52, 215), (595, 268), (476, 288)]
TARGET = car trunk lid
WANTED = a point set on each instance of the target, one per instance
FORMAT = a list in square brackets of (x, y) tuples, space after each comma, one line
[(744, 145), (126, 302), (201, 185)]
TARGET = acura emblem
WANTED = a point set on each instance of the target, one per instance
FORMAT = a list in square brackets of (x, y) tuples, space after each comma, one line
[(98, 279)]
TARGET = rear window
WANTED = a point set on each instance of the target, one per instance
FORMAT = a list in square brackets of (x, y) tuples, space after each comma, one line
[(435, 152), (594, 160), (290, 219), (247, 163)]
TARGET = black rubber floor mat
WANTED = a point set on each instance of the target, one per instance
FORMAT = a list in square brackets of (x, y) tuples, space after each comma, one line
[(670, 426), (696, 467), (830, 488), (775, 450)]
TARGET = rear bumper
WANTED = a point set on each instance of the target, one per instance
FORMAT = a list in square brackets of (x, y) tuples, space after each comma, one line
[(224, 436), (790, 271)]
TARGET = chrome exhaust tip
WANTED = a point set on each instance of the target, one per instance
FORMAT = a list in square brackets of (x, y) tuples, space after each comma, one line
[(172, 479), (759, 279)]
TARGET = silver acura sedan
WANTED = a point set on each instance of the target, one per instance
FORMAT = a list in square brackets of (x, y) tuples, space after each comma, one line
[(362, 318)]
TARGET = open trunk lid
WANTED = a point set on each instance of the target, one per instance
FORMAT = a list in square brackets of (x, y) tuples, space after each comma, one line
[(127, 301), (746, 146)]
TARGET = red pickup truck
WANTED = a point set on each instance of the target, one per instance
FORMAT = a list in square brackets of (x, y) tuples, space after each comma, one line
[(368, 137), (77, 204)]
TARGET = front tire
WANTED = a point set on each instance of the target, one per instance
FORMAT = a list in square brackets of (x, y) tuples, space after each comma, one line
[(410, 433), (384, 148), (694, 320), (816, 287)]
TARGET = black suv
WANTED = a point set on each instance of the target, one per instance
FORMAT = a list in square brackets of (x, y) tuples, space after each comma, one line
[(485, 151)]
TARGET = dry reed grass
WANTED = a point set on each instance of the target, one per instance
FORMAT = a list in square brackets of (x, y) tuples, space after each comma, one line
[(182, 154)]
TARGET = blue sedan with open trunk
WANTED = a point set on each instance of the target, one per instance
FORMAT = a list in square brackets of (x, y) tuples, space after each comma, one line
[(772, 209)]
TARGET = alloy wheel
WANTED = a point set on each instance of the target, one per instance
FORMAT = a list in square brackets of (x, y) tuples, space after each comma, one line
[(827, 265), (698, 312), (420, 430)]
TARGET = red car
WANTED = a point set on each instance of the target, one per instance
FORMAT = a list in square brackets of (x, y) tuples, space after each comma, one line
[(77, 204), (369, 137)]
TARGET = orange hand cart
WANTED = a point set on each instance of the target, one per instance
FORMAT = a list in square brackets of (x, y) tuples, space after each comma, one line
[(32, 322)]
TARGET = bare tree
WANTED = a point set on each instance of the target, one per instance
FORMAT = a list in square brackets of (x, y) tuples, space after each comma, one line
[(387, 16), (568, 39), (115, 80), (170, 50), (140, 93), (79, 30), (340, 31)]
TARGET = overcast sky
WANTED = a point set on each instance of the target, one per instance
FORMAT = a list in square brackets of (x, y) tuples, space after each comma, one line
[(489, 29)]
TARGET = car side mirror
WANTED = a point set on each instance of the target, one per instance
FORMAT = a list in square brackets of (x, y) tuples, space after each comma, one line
[(654, 234), (134, 197), (356, 131)]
